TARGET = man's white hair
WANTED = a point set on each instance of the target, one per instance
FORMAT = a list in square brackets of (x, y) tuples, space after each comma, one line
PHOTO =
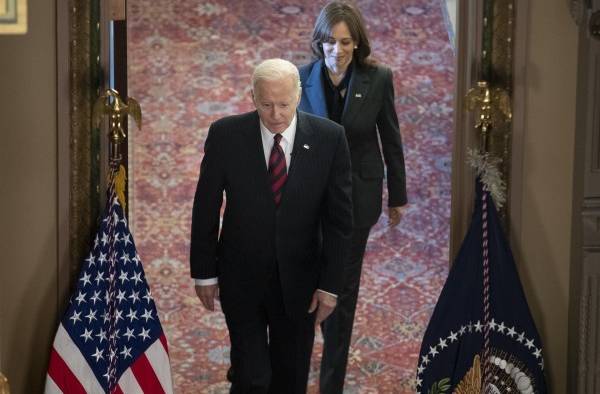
[(275, 69)]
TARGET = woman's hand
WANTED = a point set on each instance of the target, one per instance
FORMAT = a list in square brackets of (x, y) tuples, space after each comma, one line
[(395, 215)]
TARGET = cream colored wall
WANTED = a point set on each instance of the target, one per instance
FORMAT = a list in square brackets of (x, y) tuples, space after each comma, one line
[(543, 235), (28, 199)]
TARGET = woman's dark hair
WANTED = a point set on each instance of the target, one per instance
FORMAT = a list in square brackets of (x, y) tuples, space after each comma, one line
[(334, 13)]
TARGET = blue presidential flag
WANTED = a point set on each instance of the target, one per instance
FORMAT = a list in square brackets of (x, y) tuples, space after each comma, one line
[(481, 336)]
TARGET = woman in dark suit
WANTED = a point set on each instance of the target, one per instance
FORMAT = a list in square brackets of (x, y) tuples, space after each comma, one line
[(346, 86)]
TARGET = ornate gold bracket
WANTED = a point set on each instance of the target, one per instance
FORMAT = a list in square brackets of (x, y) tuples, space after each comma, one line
[(111, 104)]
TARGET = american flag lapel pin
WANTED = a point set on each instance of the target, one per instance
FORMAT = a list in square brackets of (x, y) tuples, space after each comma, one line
[(305, 146)]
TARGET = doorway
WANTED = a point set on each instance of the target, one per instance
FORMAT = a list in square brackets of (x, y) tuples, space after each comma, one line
[(189, 63)]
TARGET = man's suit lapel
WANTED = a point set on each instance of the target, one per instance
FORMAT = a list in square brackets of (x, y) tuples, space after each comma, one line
[(300, 151), (256, 162), (314, 90), (358, 88)]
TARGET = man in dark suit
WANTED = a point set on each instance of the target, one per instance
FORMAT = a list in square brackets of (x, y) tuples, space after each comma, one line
[(276, 264)]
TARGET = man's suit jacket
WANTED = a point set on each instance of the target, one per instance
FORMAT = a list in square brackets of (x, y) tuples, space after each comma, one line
[(369, 108), (306, 236)]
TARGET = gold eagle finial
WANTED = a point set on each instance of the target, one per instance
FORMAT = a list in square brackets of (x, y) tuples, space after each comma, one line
[(111, 104), (491, 107)]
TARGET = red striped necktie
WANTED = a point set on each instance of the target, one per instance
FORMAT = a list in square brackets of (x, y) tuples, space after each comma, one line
[(277, 169)]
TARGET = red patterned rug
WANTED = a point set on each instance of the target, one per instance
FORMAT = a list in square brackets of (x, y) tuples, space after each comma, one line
[(189, 64)]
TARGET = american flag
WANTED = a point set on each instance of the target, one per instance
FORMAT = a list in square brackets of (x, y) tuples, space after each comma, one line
[(110, 339)]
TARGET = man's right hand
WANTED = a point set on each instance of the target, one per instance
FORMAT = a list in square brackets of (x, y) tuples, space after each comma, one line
[(207, 295)]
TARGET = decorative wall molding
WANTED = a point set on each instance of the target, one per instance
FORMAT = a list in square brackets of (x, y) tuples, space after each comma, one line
[(84, 140), (584, 295), (589, 344), (468, 62), (485, 50)]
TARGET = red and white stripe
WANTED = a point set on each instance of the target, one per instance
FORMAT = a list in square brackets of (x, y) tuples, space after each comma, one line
[(69, 372)]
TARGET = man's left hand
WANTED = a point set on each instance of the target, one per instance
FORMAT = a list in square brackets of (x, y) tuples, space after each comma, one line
[(324, 304), (395, 215)]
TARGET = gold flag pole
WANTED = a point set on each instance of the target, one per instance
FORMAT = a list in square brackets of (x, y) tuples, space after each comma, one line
[(111, 104), (491, 107)]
